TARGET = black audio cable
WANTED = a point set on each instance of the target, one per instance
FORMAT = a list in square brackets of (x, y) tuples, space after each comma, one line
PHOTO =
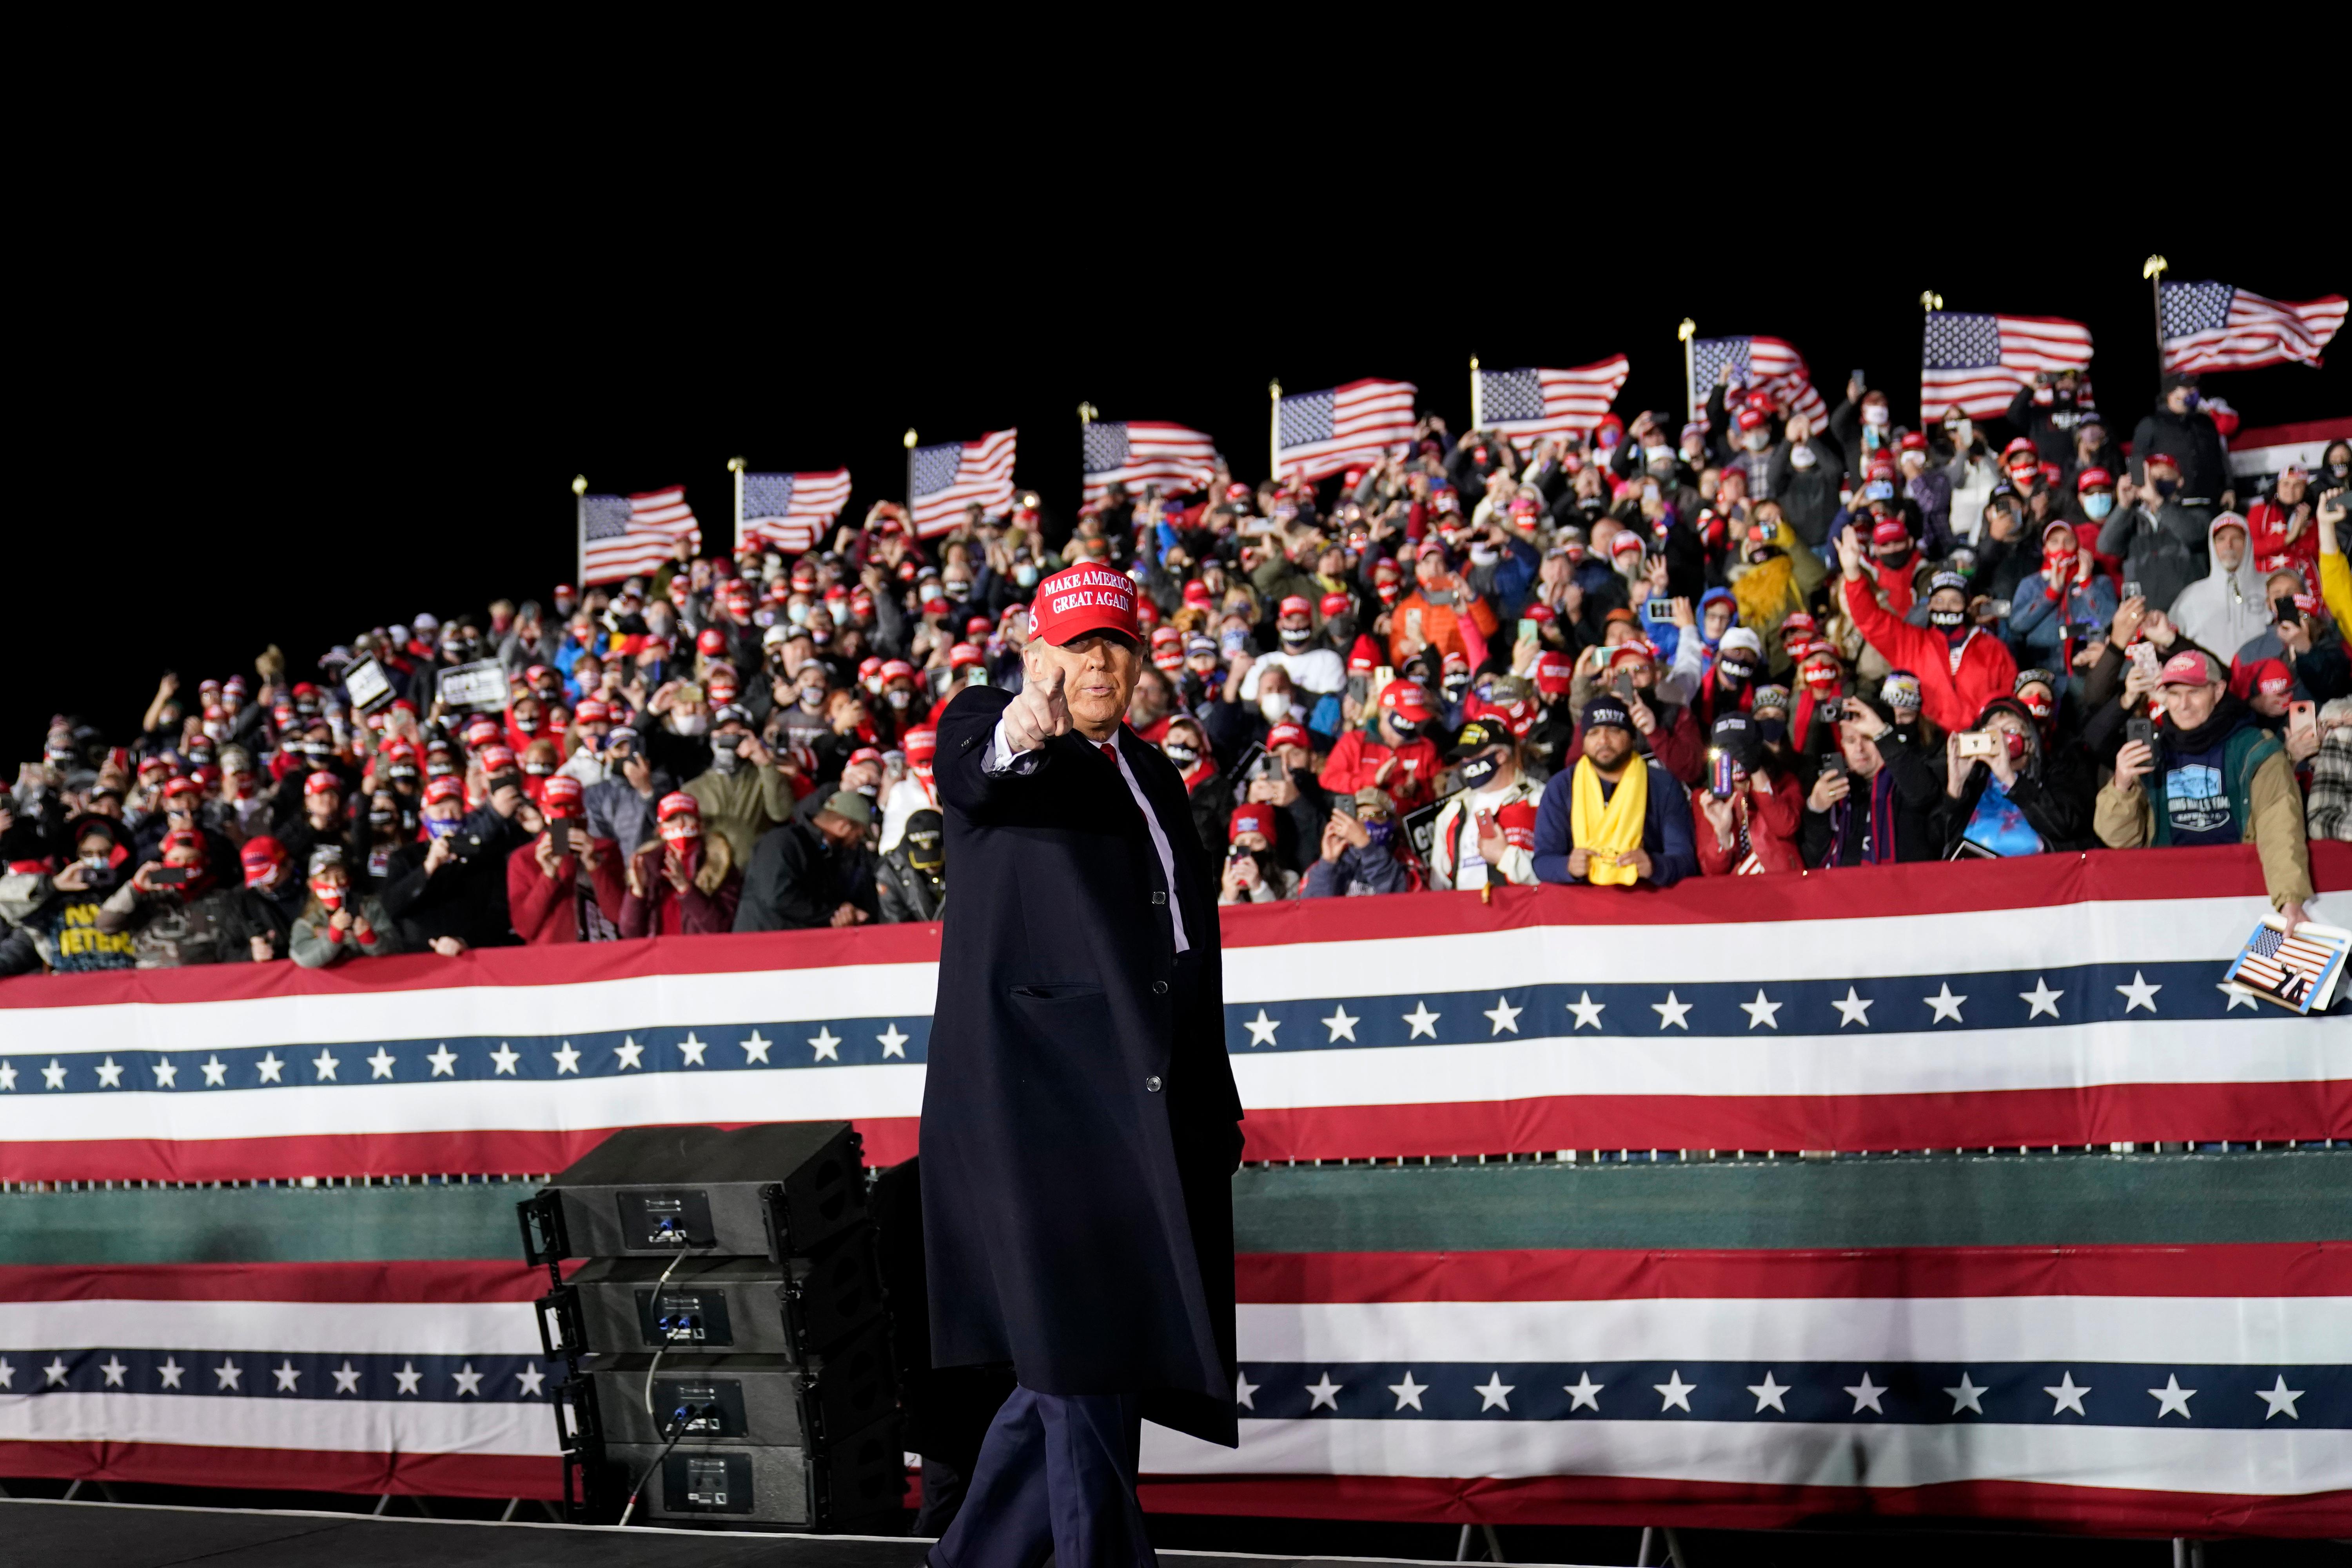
[(682, 1417)]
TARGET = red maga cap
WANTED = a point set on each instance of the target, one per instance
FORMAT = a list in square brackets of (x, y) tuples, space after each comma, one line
[(1084, 599), (560, 795), (1286, 734)]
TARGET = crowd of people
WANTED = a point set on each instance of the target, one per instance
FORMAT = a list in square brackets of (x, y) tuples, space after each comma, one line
[(1663, 650)]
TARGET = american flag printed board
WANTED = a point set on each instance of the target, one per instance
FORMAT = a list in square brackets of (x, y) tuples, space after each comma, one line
[(625, 536), (944, 479), (1770, 365), (790, 512), (1138, 452), (2049, 1000), (2300, 969), (1324, 433), (2215, 326), (1977, 362), (1527, 404)]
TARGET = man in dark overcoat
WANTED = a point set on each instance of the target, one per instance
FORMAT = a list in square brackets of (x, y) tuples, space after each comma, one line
[(1080, 1125)]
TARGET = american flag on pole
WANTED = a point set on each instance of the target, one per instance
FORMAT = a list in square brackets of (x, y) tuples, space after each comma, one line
[(944, 479), (1524, 404), (1325, 433), (2297, 971), (1146, 452), (1978, 362), (790, 512), (2215, 326), (1768, 364), (621, 536)]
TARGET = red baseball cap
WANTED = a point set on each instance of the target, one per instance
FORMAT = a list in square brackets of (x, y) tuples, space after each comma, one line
[(560, 795), (446, 786), (1405, 700), (1889, 531), (1253, 818), (185, 784), (2094, 480), (2187, 669), (1913, 441), (261, 856), (1294, 604), (593, 710), (1286, 734), (964, 653), (319, 783), (922, 745), (1086, 599), (1555, 671)]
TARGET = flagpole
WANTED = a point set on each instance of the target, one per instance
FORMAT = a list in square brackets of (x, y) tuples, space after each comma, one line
[(1687, 332), (1478, 402), (580, 535), (1274, 431), (2153, 270), (735, 466), (909, 439), (1929, 302)]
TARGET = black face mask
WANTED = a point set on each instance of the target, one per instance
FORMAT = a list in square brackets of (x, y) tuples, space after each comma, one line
[(2165, 488), (1733, 675), (1183, 755), (1406, 729), (383, 818), (1478, 771), (1772, 731), (1294, 638), (1947, 620)]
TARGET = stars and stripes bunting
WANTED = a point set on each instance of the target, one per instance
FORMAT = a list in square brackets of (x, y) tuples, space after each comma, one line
[(1318, 433), (1769, 365), (1527, 404), (790, 512), (2217, 326), (1138, 452), (1977, 362), (944, 479), (625, 536)]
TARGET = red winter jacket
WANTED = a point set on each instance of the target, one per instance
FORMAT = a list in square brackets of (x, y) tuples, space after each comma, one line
[(1772, 823), (1952, 698), (542, 912), (1356, 760)]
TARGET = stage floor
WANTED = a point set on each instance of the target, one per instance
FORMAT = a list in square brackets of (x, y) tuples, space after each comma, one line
[(128, 1536)]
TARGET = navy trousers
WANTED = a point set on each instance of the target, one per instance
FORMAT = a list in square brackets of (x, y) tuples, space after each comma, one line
[(1056, 1474)]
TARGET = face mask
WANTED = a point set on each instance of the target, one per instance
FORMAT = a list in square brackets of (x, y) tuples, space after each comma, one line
[(1946, 620), (2037, 706), (1026, 574), (2097, 507), (1406, 729), (1275, 706), (1456, 685), (1758, 439), (797, 614), (1873, 413), (1483, 555), (899, 697), (1380, 833), (724, 757), (1478, 771), (440, 827), (1772, 730), (1182, 754), (2165, 488), (328, 896), (1733, 675), (1801, 457), (2016, 744), (689, 724), (2340, 469)]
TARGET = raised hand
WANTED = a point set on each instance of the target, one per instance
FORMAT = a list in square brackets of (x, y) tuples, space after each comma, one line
[(1038, 714)]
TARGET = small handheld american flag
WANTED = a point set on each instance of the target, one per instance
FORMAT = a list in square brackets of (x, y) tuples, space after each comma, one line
[(2299, 971)]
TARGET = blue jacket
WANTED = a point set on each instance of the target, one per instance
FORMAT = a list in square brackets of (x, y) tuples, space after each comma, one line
[(1665, 827), (2038, 623)]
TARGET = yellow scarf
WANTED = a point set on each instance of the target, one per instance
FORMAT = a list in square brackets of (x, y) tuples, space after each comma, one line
[(1612, 828)]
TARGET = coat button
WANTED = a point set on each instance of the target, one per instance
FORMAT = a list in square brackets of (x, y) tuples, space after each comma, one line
[(1159, 988), (1152, 1084), (1158, 898)]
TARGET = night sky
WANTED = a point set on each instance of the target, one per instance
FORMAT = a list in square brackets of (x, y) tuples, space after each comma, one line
[(286, 432)]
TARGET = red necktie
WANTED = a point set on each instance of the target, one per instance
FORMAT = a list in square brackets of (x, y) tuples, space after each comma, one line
[(1111, 750)]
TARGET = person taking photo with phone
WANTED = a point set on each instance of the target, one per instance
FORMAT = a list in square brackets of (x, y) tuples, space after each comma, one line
[(2210, 774)]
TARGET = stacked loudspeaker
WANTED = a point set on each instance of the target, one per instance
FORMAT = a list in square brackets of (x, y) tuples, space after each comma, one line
[(726, 1330)]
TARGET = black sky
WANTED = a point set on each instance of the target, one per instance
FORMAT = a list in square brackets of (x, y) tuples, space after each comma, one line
[(285, 421)]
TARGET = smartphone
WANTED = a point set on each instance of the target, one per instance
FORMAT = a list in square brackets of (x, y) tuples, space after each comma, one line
[(1999, 609), (168, 875), (1835, 764), (2140, 729), (1978, 744), (1529, 631), (2144, 660), (1345, 805), (1486, 825), (1357, 685), (1721, 784), (2132, 590), (1857, 375), (2302, 718), (1412, 624), (1624, 686), (1657, 611)]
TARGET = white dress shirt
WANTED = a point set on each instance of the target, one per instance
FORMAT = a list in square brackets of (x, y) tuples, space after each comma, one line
[(1003, 757)]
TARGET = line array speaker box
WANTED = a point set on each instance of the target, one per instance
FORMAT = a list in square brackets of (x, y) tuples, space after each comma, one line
[(716, 1298)]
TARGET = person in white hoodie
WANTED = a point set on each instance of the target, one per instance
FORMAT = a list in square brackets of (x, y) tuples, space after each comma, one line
[(2228, 609)]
